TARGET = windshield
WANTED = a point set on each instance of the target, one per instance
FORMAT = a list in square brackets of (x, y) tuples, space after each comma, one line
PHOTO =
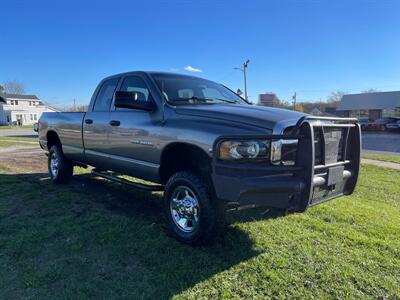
[(191, 90)]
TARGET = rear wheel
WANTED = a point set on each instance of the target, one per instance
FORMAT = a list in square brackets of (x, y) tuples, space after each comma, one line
[(60, 168), (193, 217)]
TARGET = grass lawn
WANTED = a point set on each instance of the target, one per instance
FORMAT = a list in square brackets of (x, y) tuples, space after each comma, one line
[(17, 141), (389, 158), (96, 239)]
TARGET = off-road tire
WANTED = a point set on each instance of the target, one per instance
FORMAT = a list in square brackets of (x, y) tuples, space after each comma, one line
[(65, 167), (212, 211)]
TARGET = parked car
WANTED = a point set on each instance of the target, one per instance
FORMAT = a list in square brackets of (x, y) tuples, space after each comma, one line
[(393, 126), (207, 148), (379, 124), (363, 123)]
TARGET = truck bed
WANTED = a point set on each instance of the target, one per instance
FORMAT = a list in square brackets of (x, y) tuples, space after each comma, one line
[(68, 126)]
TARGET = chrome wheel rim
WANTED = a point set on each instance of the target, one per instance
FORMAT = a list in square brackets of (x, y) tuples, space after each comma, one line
[(184, 208), (54, 161)]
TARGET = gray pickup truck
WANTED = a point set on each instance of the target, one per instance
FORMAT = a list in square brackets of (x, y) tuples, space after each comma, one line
[(205, 147)]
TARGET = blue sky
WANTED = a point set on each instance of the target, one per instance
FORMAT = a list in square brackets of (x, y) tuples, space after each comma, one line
[(61, 49)]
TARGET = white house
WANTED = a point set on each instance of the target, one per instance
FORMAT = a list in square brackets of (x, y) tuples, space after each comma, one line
[(21, 109)]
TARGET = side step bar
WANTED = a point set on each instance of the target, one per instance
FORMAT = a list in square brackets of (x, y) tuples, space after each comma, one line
[(146, 187)]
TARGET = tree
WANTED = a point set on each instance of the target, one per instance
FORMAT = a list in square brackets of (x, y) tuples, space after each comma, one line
[(369, 91), (335, 97), (1, 89), (299, 107), (14, 87), (78, 108)]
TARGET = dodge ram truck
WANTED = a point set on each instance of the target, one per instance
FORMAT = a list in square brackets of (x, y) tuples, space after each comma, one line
[(207, 148)]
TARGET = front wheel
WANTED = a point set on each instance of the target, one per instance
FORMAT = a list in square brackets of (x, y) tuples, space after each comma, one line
[(192, 216), (60, 168)]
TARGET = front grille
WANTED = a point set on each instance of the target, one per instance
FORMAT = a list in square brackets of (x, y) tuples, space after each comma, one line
[(329, 144)]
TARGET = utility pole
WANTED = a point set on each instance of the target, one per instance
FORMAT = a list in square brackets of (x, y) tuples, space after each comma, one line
[(244, 70), (245, 65), (74, 105), (294, 101)]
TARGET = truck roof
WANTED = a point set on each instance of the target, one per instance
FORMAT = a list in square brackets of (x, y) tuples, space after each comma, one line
[(152, 73)]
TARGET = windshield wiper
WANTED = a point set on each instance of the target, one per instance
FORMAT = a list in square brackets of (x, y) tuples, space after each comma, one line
[(195, 98), (188, 99), (227, 100)]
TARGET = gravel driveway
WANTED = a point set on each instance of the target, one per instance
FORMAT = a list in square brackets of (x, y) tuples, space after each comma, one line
[(18, 132)]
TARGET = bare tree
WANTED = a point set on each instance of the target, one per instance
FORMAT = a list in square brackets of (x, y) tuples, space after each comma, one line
[(335, 97), (1, 89), (14, 87), (369, 91), (77, 108)]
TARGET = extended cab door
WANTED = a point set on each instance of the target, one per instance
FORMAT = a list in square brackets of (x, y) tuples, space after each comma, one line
[(96, 124), (133, 134)]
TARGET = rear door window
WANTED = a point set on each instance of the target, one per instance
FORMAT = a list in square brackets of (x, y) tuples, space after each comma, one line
[(105, 95)]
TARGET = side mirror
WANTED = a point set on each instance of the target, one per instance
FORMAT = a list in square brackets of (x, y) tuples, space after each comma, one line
[(131, 100)]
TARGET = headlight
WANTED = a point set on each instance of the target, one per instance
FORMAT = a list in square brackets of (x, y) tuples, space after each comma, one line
[(283, 152), (244, 150)]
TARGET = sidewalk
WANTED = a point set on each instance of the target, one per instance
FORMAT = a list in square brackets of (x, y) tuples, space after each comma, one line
[(380, 163)]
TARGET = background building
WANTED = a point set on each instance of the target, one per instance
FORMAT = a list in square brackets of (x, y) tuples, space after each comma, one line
[(267, 99), (371, 105), (21, 109)]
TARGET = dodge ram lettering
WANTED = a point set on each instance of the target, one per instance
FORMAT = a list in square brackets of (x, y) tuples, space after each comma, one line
[(205, 147)]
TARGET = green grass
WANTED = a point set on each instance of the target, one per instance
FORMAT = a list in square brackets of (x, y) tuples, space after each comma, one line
[(15, 127), (96, 239), (389, 158), (18, 141)]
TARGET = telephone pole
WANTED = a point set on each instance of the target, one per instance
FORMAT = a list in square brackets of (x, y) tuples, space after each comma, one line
[(294, 101), (244, 70)]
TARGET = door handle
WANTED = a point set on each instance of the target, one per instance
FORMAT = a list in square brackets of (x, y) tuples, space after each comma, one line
[(115, 123), (89, 121)]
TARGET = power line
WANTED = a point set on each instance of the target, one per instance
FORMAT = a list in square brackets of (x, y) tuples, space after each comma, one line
[(226, 75)]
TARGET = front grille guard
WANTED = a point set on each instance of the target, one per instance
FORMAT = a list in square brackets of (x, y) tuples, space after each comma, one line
[(345, 123), (350, 159), (318, 118), (305, 167), (295, 132)]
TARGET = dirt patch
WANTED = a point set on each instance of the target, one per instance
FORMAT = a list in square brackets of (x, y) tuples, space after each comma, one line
[(115, 198), (23, 160)]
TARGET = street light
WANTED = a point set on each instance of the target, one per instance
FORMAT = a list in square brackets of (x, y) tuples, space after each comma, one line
[(244, 70)]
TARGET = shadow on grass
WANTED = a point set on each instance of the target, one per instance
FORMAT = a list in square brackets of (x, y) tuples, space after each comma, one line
[(31, 136), (120, 234)]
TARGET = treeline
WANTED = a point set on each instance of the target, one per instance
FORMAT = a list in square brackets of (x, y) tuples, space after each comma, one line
[(77, 108), (307, 106)]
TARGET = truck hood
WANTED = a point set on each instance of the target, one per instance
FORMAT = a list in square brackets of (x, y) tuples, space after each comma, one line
[(259, 116)]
